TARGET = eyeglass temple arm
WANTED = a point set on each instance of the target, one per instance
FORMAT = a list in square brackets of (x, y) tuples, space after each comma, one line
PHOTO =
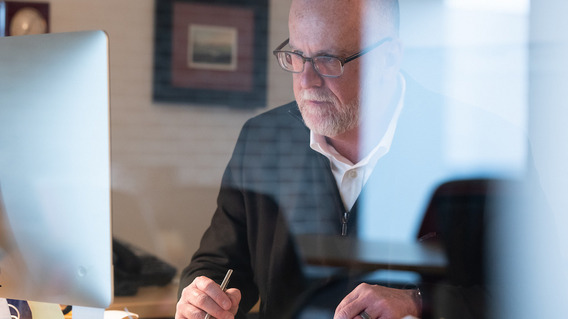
[(281, 46), (366, 50)]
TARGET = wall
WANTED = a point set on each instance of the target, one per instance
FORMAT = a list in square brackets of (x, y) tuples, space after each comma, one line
[(167, 159)]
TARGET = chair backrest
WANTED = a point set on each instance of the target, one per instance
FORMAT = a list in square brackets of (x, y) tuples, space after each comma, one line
[(457, 216)]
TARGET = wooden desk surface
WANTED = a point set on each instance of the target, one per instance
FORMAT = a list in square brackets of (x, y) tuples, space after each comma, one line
[(369, 255), (160, 302), (150, 302)]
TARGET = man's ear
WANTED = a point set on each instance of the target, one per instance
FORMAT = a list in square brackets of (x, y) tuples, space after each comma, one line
[(394, 54)]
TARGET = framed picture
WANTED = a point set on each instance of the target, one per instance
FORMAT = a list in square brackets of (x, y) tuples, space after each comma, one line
[(23, 18), (211, 52)]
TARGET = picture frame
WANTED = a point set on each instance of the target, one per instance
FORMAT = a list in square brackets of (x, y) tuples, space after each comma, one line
[(23, 18), (211, 52)]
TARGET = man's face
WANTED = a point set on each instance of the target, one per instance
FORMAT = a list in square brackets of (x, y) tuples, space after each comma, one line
[(329, 106)]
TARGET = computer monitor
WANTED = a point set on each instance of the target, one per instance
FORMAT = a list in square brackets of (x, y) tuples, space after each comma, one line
[(55, 206)]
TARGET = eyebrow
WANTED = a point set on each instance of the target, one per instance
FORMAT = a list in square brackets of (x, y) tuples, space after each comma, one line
[(340, 52)]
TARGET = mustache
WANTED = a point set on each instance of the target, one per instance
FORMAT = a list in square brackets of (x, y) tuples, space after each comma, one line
[(317, 96)]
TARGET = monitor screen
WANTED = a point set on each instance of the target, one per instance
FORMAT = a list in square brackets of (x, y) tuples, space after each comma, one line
[(55, 216)]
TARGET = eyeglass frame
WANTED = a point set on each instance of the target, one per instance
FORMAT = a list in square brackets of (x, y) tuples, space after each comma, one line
[(342, 61)]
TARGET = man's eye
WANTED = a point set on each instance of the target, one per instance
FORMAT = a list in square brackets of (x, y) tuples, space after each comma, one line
[(327, 60), (288, 58)]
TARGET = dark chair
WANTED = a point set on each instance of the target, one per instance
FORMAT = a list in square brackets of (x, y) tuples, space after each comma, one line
[(458, 217)]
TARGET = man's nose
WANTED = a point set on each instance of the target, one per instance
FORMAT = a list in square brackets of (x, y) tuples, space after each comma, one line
[(309, 77)]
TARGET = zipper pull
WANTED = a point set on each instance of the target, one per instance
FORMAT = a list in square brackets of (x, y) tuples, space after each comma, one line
[(344, 220)]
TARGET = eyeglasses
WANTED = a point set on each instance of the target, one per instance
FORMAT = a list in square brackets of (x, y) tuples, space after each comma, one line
[(325, 65)]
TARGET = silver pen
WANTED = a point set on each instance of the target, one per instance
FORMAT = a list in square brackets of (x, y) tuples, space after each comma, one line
[(223, 286)]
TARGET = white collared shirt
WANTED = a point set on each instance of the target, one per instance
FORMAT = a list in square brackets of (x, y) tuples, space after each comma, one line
[(350, 177)]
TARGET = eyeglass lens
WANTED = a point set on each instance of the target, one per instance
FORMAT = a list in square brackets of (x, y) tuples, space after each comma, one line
[(324, 65)]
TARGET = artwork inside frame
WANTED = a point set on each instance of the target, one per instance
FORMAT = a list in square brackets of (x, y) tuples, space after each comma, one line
[(212, 47), (211, 52)]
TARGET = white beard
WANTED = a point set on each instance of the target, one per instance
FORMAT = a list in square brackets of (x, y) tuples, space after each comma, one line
[(331, 119)]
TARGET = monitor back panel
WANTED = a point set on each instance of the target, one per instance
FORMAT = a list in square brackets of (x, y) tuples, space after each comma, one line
[(55, 219)]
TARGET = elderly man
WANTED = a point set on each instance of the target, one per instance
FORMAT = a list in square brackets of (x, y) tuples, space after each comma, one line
[(301, 168)]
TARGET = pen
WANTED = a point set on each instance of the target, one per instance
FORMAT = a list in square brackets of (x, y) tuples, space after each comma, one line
[(223, 286)]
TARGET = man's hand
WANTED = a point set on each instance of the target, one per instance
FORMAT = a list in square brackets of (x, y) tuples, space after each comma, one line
[(203, 296), (379, 302)]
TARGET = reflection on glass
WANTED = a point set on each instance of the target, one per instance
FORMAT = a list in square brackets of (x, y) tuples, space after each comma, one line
[(395, 191)]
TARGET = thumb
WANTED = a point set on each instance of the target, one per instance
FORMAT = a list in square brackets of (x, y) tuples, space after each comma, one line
[(235, 296)]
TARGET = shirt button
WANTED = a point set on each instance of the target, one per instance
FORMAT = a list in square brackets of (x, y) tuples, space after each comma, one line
[(353, 174)]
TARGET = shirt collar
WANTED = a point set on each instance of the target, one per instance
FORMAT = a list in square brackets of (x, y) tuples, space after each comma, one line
[(319, 144)]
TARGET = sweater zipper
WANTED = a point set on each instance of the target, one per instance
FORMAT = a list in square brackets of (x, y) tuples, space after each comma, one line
[(344, 221)]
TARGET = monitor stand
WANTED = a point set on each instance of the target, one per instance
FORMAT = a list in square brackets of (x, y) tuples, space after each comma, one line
[(88, 313), (4, 309)]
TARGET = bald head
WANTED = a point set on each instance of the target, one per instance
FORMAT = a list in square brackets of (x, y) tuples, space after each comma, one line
[(379, 17), (384, 14)]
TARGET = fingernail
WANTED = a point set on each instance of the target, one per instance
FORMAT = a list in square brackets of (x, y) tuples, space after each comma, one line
[(226, 305)]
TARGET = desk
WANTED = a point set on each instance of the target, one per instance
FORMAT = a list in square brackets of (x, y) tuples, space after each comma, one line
[(154, 302), (419, 257), (150, 302), (423, 258)]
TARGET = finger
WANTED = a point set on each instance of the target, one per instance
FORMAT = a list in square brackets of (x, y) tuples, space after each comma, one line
[(345, 308), (349, 309), (235, 296), (195, 302), (352, 311), (351, 297), (186, 310), (354, 303), (213, 291)]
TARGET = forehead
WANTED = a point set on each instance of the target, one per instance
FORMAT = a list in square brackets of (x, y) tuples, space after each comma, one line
[(329, 25)]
